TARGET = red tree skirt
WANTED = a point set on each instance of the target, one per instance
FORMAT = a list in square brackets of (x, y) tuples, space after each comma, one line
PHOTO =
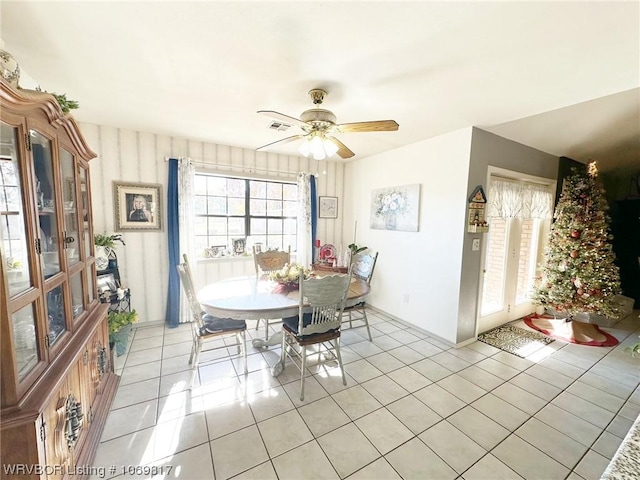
[(574, 332)]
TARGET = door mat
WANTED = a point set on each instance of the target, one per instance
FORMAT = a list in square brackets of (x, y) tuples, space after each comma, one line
[(573, 332), (515, 340)]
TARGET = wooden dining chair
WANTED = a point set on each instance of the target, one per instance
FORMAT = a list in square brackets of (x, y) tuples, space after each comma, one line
[(266, 262), (317, 323), (363, 266), (205, 326)]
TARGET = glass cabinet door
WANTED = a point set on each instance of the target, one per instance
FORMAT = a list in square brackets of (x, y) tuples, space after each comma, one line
[(55, 314), (84, 212), (70, 234), (13, 231), (24, 335), (45, 196)]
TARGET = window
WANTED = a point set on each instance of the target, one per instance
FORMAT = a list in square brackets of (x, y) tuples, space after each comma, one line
[(258, 211)]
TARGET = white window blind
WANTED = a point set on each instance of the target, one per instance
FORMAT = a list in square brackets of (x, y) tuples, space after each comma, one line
[(516, 199)]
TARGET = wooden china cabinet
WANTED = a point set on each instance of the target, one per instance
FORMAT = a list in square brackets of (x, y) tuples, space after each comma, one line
[(57, 379)]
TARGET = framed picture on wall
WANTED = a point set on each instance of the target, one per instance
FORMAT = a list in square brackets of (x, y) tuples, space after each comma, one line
[(138, 206), (328, 207)]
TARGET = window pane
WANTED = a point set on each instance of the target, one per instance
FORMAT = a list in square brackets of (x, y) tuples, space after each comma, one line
[(258, 207), (290, 192), (274, 225), (217, 206), (236, 188), (216, 186), (274, 190), (258, 189), (274, 208), (218, 226), (200, 185), (236, 206), (200, 226), (290, 209), (200, 205), (290, 226), (258, 226), (236, 227), (274, 242)]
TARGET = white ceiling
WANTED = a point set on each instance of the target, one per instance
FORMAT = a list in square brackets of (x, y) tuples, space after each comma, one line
[(560, 77)]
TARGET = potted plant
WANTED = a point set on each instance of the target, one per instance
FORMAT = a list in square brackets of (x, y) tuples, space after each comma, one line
[(354, 250), (105, 250), (120, 325)]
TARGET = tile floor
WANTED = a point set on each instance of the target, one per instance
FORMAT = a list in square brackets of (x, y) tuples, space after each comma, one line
[(413, 408)]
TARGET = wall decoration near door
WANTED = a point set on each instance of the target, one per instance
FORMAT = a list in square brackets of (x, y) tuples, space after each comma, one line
[(138, 206), (395, 208)]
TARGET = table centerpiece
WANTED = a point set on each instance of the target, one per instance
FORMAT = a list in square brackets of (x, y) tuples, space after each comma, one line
[(288, 277)]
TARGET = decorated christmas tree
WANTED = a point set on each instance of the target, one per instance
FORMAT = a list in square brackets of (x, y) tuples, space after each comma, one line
[(579, 274)]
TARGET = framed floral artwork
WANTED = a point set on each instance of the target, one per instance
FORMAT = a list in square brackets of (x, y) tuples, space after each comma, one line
[(328, 207), (138, 206), (395, 208)]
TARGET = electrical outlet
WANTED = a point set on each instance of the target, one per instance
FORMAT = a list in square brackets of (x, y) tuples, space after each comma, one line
[(475, 244), (405, 298)]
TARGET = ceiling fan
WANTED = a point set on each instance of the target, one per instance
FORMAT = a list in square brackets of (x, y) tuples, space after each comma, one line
[(319, 125)]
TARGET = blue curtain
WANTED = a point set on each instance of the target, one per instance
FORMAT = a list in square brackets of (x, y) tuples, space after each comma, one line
[(173, 230), (314, 215)]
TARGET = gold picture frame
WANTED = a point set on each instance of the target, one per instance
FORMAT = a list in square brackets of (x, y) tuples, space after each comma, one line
[(137, 206)]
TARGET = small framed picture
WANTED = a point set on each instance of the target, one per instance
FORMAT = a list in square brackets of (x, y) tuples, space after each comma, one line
[(107, 283), (138, 206), (238, 246), (328, 207)]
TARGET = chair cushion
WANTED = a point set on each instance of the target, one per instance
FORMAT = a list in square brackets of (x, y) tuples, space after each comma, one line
[(216, 324), (352, 307), (291, 324)]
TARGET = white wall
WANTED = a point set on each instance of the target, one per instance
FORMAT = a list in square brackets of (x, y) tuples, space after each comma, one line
[(424, 265), (131, 156)]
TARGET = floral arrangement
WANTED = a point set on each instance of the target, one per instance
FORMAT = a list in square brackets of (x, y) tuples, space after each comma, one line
[(392, 202), (289, 275)]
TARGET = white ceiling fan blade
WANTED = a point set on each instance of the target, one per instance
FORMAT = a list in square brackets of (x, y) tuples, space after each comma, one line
[(283, 141), (283, 117)]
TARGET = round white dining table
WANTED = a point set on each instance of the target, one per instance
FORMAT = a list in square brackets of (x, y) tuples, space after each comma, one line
[(252, 298)]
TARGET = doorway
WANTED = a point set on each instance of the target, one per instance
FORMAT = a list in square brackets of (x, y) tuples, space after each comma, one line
[(519, 212)]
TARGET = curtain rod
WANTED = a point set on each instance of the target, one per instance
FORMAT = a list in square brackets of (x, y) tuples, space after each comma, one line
[(227, 165)]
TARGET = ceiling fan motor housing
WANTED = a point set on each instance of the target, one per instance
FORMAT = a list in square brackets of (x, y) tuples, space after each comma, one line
[(318, 118)]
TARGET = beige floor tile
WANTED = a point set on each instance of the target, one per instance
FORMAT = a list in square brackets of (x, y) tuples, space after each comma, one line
[(452, 446), (439, 400), (237, 452), (356, 402), (490, 468), (383, 430), (528, 461), (378, 469), (461, 388), (228, 418), (480, 428), (409, 379), (348, 449), (552, 442), (414, 414), (414, 460), (323, 416), (500, 411), (384, 389), (305, 461), (284, 432)]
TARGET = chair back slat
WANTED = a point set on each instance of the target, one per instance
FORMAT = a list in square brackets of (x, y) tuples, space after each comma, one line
[(363, 266), (189, 290), (271, 260), (324, 299)]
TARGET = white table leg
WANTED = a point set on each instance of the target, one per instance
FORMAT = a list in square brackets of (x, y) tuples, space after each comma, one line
[(274, 340)]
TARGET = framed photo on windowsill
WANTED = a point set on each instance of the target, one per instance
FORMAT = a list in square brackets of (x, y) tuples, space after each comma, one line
[(328, 207), (138, 206)]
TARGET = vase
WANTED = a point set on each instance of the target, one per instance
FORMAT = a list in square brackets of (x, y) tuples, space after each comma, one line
[(121, 339), (102, 257), (390, 222)]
